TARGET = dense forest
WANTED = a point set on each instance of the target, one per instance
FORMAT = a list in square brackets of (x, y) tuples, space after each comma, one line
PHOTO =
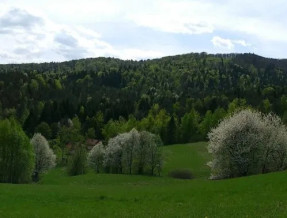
[(179, 98)]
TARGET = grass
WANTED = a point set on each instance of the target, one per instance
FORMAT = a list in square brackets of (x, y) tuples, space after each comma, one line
[(187, 156), (105, 195)]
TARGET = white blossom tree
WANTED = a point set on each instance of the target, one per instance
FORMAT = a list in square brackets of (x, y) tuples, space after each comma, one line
[(133, 151), (96, 157), (130, 141), (44, 156), (113, 155), (247, 143)]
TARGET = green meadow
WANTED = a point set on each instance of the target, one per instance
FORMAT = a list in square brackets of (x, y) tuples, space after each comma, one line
[(110, 195)]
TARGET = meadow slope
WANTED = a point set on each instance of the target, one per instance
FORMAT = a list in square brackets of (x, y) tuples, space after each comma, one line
[(106, 195)]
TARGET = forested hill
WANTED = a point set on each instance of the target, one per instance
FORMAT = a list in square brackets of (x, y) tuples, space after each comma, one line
[(162, 95)]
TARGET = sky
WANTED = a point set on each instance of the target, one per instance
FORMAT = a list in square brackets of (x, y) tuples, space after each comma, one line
[(61, 30)]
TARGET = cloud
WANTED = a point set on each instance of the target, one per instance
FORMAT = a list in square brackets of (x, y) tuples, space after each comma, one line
[(17, 18), (180, 17), (38, 39), (137, 54), (242, 43), (222, 43), (227, 44), (38, 30), (66, 39), (29, 38)]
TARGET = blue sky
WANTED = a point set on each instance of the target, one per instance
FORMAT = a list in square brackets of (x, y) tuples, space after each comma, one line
[(59, 30)]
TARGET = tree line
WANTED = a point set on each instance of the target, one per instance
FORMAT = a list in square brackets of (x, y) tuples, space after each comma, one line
[(179, 97)]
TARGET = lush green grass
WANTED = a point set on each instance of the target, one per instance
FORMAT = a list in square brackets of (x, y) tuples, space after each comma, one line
[(188, 156), (105, 195)]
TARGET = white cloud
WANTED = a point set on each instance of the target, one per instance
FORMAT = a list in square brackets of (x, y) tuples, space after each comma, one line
[(138, 54), (242, 43), (60, 30), (227, 44), (29, 38), (48, 41), (222, 43), (174, 17)]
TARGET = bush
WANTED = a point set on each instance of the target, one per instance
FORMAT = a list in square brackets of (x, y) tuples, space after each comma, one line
[(181, 174), (78, 163), (247, 143), (16, 153)]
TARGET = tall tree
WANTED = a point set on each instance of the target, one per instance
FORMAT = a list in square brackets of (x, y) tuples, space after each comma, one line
[(16, 153)]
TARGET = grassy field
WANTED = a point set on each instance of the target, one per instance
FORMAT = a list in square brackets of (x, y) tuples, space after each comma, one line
[(106, 195)]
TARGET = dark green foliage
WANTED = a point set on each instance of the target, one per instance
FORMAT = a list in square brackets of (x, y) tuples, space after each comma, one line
[(171, 137), (16, 153), (181, 174), (145, 94), (44, 129), (78, 162)]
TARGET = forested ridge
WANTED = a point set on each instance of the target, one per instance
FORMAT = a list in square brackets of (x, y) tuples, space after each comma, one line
[(179, 97)]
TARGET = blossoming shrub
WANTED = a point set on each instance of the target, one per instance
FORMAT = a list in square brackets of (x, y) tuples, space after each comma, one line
[(247, 143)]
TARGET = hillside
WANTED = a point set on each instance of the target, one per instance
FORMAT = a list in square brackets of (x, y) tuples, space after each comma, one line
[(108, 195), (169, 90)]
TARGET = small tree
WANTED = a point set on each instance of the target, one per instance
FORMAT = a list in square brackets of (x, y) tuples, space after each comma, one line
[(130, 141), (154, 157), (247, 143), (78, 163), (44, 129), (16, 153), (113, 155), (96, 157), (44, 156)]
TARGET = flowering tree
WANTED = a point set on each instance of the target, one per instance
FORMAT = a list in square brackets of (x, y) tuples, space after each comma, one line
[(96, 157), (247, 143), (133, 151), (44, 156), (113, 155), (130, 141)]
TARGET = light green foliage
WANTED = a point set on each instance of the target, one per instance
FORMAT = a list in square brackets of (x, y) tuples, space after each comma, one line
[(266, 106), (189, 129), (58, 84), (113, 128), (34, 85), (236, 104), (41, 80), (16, 153), (114, 195), (156, 121), (211, 120)]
